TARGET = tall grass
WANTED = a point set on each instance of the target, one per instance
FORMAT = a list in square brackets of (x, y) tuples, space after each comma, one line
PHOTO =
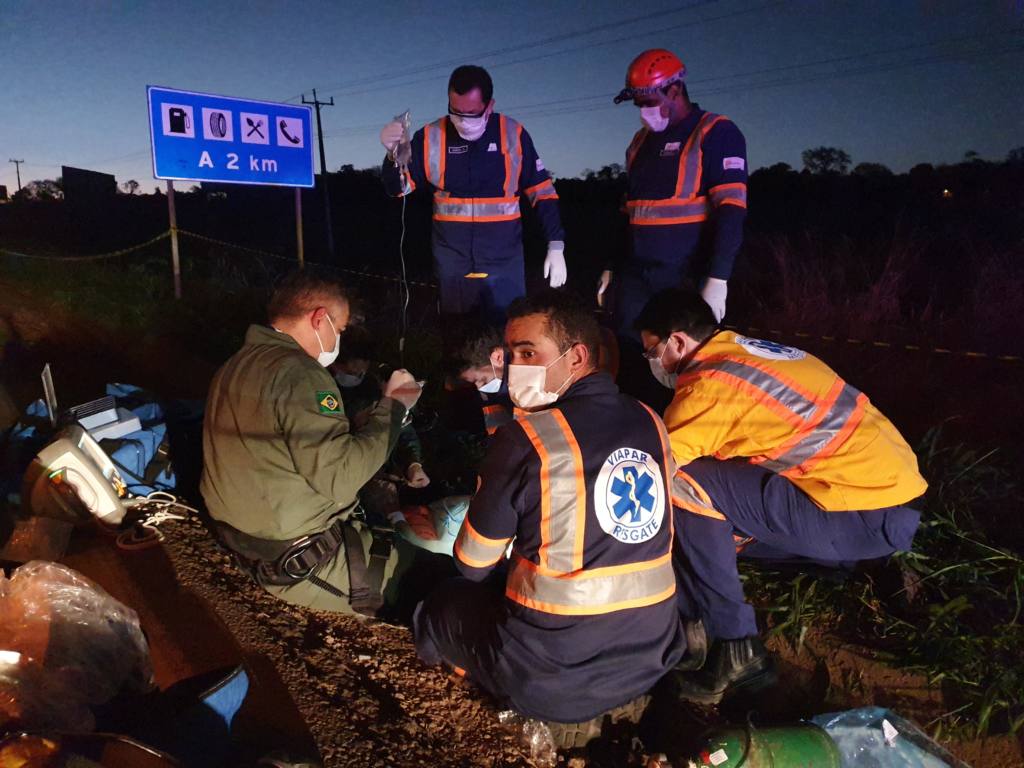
[(964, 627)]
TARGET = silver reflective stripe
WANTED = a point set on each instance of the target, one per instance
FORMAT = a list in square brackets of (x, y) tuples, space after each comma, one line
[(681, 489), (435, 151), (543, 191), (639, 212), (765, 382), (474, 552), (732, 192), (470, 208), (580, 594), (496, 416), (820, 435), (562, 471), (515, 153)]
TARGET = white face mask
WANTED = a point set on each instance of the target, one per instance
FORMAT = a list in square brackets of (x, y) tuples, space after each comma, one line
[(493, 386), (659, 371), (348, 380), (470, 128), (326, 358), (526, 385), (653, 119)]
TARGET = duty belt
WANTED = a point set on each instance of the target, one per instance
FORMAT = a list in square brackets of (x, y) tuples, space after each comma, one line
[(283, 563)]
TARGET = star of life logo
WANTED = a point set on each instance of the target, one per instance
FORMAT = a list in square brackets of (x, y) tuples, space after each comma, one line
[(770, 350), (629, 496)]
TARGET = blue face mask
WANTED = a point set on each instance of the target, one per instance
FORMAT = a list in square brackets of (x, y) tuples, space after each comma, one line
[(349, 380)]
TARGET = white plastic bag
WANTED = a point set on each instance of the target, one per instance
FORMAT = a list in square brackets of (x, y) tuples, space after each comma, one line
[(65, 645)]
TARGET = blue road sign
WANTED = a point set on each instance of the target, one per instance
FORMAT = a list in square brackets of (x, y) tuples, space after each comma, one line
[(203, 137)]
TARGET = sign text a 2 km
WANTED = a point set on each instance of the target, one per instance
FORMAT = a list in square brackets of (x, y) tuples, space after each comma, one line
[(204, 137)]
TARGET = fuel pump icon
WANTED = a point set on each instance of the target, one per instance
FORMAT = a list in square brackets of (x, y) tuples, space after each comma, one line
[(179, 121)]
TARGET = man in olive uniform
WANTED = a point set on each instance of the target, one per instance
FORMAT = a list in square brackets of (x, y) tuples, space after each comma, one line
[(282, 465)]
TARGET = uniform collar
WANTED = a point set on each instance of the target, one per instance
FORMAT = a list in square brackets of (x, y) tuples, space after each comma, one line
[(720, 342), (597, 383), (265, 335), (685, 128)]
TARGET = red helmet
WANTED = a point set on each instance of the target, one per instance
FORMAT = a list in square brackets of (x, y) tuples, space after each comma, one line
[(651, 71)]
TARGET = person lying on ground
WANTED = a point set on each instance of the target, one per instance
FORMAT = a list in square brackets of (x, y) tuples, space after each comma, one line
[(781, 460), (480, 361), (582, 620), (361, 389), (282, 463)]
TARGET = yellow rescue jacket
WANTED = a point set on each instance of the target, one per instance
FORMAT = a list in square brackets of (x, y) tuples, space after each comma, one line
[(784, 409)]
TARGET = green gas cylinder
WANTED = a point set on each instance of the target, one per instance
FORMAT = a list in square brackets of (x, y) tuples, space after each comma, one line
[(791, 746)]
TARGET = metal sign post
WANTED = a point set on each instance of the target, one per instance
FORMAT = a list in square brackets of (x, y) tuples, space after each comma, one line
[(175, 261), (204, 137), (298, 226)]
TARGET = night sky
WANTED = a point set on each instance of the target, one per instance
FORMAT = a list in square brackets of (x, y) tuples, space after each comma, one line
[(890, 81)]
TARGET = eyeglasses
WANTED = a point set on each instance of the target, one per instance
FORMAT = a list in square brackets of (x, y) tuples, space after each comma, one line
[(456, 113), (649, 352)]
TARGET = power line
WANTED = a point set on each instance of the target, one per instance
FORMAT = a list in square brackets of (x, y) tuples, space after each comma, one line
[(528, 109), (660, 31), (513, 48)]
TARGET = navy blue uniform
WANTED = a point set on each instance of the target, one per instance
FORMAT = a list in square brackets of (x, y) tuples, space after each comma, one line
[(588, 621), (687, 200), (477, 231)]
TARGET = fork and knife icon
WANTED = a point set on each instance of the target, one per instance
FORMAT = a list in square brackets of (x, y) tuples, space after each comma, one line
[(254, 127)]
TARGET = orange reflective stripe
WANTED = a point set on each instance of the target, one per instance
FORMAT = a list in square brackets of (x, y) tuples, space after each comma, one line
[(543, 191), (748, 389), (474, 209), (477, 550), (833, 445), (426, 155), (824, 406), (507, 154), (581, 490), (667, 463), (443, 122), (495, 416), (563, 491), (545, 490), (634, 146), (764, 367), (604, 590), (729, 194), (578, 610), (687, 494)]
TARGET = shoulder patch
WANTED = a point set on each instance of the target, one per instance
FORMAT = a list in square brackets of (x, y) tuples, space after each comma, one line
[(733, 163), (327, 401), (629, 496), (540, 164)]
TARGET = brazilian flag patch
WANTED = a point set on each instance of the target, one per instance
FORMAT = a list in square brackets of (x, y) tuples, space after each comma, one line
[(328, 401)]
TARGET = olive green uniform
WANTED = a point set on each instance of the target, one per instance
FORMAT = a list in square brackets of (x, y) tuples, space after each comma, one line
[(280, 460)]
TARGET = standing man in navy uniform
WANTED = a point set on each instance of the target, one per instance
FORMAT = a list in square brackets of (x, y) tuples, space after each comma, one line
[(478, 163), (686, 199), (582, 621)]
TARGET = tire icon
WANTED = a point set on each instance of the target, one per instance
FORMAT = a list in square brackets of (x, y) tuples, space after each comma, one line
[(218, 125)]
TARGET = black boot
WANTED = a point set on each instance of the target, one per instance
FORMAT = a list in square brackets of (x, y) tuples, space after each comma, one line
[(696, 646), (732, 666)]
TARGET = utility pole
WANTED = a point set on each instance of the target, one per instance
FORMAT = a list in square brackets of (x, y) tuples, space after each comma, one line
[(323, 167), (17, 164)]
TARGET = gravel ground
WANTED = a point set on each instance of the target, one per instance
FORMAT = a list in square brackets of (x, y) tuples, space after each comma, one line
[(365, 696)]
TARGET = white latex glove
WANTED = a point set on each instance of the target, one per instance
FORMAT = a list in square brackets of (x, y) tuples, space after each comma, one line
[(713, 293), (416, 477), (602, 285), (554, 265), (403, 388), (390, 135)]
